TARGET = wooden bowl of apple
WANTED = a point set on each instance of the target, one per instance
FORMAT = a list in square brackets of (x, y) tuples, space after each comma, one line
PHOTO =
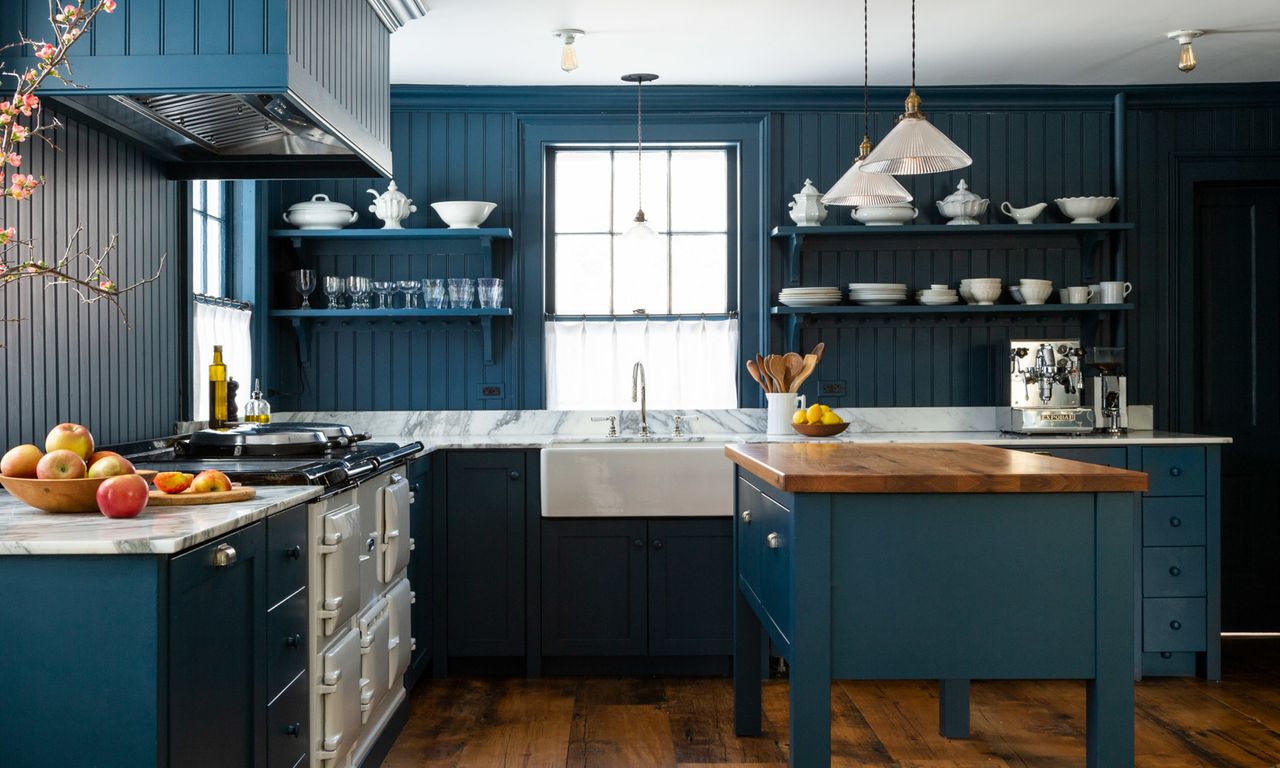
[(70, 476)]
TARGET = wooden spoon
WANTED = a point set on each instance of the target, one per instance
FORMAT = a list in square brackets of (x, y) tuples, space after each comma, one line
[(754, 370), (810, 362), (795, 363), (765, 381), (778, 369), (818, 349)]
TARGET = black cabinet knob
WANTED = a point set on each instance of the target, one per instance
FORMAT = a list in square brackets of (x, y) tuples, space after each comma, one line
[(293, 729), (293, 641), (1166, 654), (1175, 624), (1175, 570), (1175, 522), (515, 474), (637, 543), (657, 543), (294, 552), (1175, 471)]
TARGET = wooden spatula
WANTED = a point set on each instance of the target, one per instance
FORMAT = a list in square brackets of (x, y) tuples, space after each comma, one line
[(810, 362), (795, 364), (778, 370), (818, 349)]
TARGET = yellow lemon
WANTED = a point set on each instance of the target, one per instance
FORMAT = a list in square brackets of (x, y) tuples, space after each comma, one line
[(831, 418), (826, 408), (800, 417), (815, 413)]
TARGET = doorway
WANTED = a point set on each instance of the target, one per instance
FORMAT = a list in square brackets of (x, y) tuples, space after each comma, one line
[(1237, 346)]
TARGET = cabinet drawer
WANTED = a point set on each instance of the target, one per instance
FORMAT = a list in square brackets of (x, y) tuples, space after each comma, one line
[(286, 642), (1174, 521), (287, 547), (1107, 457), (1174, 471), (287, 726), (747, 525), (774, 545), (1173, 572), (1173, 624)]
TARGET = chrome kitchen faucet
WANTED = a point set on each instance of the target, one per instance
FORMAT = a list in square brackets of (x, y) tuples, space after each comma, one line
[(637, 375)]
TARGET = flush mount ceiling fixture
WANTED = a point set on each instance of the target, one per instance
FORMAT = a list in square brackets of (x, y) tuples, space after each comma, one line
[(568, 56), (855, 187), (1186, 56), (640, 229), (915, 145)]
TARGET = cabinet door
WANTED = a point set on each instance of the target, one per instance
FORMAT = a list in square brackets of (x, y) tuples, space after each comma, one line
[(593, 587), (690, 587), (485, 551), (217, 652), (420, 565)]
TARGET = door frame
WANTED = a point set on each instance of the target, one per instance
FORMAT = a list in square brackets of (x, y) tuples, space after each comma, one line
[(1188, 170)]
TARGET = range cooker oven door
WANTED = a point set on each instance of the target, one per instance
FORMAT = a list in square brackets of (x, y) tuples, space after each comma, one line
[(393, 523), (341, 543), (375, 630), (400, 598), (339, 690)]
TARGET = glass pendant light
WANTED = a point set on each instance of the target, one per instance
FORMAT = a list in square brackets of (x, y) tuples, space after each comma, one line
[(915, 145), (855, 187), (639, 231)]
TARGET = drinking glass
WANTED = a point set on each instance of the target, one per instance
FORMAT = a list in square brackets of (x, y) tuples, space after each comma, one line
[(490, 291), (462, 291), (433, 293), (385, 289), (334, 288), (358, 287), (410, 290), (304, 282)]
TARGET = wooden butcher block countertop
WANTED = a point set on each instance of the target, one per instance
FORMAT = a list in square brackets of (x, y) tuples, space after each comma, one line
[(924, 468)]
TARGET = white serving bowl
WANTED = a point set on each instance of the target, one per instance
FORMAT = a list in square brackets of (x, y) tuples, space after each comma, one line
[(1086, 210), (464, 214), (319, 213), (1036, 294), (985, 294), (893, 215), (962, 211)]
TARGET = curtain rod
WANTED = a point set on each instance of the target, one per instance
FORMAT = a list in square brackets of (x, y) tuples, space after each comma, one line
[(222, 301)]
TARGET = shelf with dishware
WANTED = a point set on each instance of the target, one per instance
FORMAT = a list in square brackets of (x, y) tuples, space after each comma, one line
[(484, 238)]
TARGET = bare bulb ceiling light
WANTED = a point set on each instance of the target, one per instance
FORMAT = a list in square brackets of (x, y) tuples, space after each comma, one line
[(1186, 56), (639, 231), (568, 56)]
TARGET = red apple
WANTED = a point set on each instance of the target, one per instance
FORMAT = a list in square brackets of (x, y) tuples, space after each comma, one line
[(210, 481), (110, 466), (21, 461), (173, 482), (100, 455), (61, 465), (71, 437), (123, 496)]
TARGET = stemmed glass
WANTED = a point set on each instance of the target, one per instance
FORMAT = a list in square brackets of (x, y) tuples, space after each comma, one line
[(386, 293), (410, 290), (304, 282), (334, 288), (358, 287)]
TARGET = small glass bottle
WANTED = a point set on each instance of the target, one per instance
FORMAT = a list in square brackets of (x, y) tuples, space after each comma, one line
[(257, 410), (217, 390)]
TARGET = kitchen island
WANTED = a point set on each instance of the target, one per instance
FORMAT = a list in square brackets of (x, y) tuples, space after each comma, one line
[(946, 562)]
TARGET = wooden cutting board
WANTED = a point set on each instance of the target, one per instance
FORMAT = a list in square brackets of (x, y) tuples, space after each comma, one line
[(238, 492)]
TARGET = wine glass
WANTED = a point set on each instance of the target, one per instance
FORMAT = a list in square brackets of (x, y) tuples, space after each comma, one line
[(334, 288), (386, 292), (304, 282), (358, 287), (410, 290)]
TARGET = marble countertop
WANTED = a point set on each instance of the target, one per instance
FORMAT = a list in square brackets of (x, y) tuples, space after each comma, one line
[(158, 530)]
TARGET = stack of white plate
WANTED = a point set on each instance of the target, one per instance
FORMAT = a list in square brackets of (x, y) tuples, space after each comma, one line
[(937, 296), (878, 294), (810, 297)]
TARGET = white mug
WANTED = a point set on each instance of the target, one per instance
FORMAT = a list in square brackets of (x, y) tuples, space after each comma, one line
[(782, 407), (1096, 298), (1063, 296), (1114, 292), (1079, 294)]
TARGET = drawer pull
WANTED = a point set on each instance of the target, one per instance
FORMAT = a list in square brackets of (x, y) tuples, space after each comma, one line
[(294, 552), (293, 729), (1175, 522), (1175, 570), (1166, 654), (224, 555), (773, 540), (746, 516), (1175, 471), (637, 543), (293, 641), (657, 543), (515, 474), (1175, 625)]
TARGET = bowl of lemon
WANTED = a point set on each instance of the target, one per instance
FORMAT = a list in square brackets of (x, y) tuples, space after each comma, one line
[(818, 421)]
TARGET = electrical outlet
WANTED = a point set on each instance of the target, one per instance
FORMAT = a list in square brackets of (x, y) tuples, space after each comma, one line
[(831, 388), (490, 391)]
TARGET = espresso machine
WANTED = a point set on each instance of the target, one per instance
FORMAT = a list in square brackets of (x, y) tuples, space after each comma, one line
[(1108, 390), (1045, 382)]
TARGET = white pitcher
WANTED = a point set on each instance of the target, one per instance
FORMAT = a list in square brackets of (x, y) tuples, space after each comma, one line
[(782, 406), (1023, 215)]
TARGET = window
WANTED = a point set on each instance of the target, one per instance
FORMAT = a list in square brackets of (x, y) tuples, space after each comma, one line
[(209, 237), (669, 303)]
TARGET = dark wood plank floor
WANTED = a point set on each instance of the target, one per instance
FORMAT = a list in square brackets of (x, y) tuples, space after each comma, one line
[(606, 722)]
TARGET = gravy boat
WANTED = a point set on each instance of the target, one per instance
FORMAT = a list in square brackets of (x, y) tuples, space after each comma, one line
[(1023, 215)]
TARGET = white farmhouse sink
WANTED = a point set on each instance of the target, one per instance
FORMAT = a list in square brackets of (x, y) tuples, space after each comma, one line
[(636, 480)]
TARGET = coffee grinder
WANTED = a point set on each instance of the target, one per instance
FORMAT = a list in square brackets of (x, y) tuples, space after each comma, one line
[(1109, 389)]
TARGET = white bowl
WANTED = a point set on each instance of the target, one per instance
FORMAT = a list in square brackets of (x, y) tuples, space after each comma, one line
[(966, 293), (996, 281), (1086, 210), (1034, 281), (885, 215), (962, 211), (1016, 292), (464, 214), (985, 294), (1036, 294), (319, 213)]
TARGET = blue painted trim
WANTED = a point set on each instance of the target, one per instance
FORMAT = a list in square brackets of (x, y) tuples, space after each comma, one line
[(955, 309), (662, 98), (172, 74), (503, 233), (860, 230), (391, 314)]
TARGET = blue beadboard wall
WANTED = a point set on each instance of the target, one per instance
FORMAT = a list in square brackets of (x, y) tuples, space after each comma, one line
[(65, 361), (1028, 145)]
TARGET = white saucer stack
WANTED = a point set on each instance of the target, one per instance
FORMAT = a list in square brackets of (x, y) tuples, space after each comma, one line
[(810, 297), (937, 296), (878, 294)]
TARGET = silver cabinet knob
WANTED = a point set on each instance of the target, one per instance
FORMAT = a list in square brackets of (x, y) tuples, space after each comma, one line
[(746, 516), (773, 540), (224, 555)]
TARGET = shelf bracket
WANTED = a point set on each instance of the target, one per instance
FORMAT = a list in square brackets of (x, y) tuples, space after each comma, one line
[(795, 247), (300, 330), (486, 333), (794, 324)]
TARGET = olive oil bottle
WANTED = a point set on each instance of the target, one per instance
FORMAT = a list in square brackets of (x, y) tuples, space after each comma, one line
[(217, 390)]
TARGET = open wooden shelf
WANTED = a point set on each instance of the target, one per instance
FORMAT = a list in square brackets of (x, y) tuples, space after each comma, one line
[(952, 309), (435, 233)]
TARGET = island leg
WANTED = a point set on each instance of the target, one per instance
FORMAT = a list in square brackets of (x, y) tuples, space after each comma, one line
[(953, 708), (747, 647), (1109, 696), (811, 635)]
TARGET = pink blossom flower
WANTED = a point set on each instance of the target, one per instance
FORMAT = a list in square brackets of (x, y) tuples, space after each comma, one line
[(109, 6), (14, 159), (21, 186), (7, 108), (7, 236), (28, 103), (20, 133), (69, 13), (44, 51), (30, 75)]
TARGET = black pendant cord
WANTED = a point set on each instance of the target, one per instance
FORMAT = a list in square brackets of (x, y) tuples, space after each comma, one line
[(639, 150), (866, 80), (913, 45)]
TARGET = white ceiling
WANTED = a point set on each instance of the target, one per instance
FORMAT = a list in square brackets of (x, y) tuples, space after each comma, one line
[(766, 42)]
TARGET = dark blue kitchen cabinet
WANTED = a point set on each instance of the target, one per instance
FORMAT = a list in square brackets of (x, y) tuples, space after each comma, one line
[(420, 568), (217, 670), (485, 551), (690, 587)]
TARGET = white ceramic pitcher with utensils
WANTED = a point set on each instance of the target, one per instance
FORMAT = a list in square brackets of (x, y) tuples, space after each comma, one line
[(783, 406)]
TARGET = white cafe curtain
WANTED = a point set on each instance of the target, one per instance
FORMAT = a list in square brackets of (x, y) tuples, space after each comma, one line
[(688, 364), (229, 327)]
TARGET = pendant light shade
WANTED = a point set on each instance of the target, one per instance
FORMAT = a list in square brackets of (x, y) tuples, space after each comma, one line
[(639, 231)]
